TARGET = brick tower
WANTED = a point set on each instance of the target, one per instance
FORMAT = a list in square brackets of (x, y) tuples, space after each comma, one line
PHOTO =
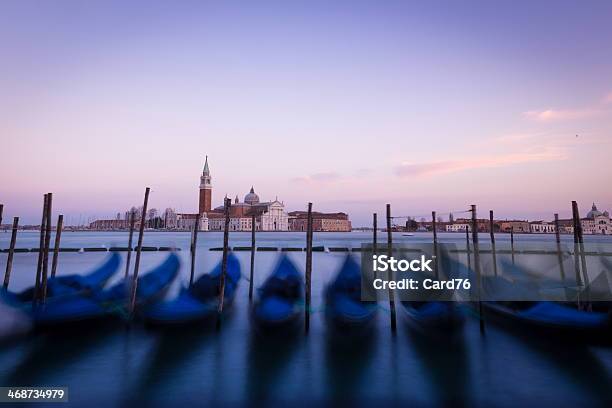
[(205, 189)]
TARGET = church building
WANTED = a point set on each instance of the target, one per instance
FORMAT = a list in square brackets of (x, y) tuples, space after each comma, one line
[(269, 215)]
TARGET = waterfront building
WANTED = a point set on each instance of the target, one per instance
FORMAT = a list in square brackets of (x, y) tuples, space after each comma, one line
[(109, 224), (481, 223), (595, 222), (185, 221), (542, 227), (326, 222), (269, 215), (458, 227), (170, 218), (518, 226)]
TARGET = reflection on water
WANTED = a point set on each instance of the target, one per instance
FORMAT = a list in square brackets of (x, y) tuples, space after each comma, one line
[(346, 359), (117, 365)]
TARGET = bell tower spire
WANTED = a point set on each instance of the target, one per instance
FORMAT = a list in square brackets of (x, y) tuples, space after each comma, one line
[(205, 200)]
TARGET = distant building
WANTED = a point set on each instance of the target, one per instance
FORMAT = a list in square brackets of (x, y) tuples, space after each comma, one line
[(185, 221), (109, 224), (458, 227), (269, 215), (542, 227), (327, 222), (595, 222), (170, 218), (518, 226)]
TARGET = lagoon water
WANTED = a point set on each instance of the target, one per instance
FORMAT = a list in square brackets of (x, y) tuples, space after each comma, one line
[(120, 365)]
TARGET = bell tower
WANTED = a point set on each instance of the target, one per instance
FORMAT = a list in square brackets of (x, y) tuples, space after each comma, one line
[(205, 190)]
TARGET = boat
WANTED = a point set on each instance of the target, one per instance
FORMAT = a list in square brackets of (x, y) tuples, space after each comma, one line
[(14, 323), (437, 316), (561, 319), (344, 308), (151, 288), (200, 301), (70, 285), (407, 234), (280, 301)]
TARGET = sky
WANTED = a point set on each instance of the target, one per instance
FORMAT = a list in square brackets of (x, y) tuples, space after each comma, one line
[(348, 105)]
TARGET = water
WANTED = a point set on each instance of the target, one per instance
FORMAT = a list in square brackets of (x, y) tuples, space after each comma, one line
[(119, 366)]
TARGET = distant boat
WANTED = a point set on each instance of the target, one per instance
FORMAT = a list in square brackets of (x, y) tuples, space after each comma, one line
[(200, 301), (151, 288), (69, 285), (344, 308), (407, 234), (280, 303)]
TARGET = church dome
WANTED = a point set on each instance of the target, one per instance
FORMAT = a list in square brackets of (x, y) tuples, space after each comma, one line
[(594, 212), (251, 198)]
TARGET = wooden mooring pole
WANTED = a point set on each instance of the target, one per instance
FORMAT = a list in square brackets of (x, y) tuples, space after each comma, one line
[(1, 211), (559, 253), (492, 233), (390, 254), (585, 276), (41, 247), (477, 265), (576, 224), (467, 247), (252, 274), (375, 236), (9, 260), (308, 268), (512, 243), (130, 249), (143, 219), (226, 210), (435, 244), (45, 266), (56, 246), (194, 246)]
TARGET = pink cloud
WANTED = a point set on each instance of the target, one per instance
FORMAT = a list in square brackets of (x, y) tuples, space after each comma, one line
[(560, 114), (324, 177), (569, 114), (481, 162)]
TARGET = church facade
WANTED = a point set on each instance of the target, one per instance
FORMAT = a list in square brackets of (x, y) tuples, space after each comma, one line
[(269, 215)]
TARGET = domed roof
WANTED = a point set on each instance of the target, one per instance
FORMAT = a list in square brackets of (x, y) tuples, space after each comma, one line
[(594, 212), (251, 198)]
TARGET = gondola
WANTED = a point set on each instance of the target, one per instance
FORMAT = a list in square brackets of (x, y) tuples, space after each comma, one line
[(151, 288), (345, 311), (434, 317), (436, 314), (561, 319), (69, 285), (200, 301), (14, 322), (280, 302)]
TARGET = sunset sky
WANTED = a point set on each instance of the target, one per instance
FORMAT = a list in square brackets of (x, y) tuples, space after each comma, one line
[(431, 106)]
